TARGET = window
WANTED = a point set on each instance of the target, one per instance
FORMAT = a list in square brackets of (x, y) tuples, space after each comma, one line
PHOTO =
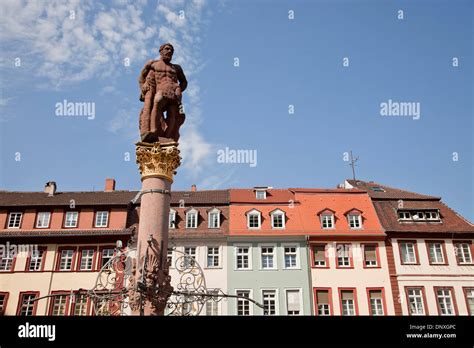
[(14, 220), (260, 194), (408, 252), (319, 252), (343, 255), (347, 302), (71, 219), (6, 261), (268, 257), (463, 252), (469, 293), (36, 260), (327, 221), (80, 305), (431, 215), (293, 302), (323, 303), (376, 302), (370, 255), (377, 189), (27, 305), (106, 255), (66, 258), (254, 219), (435, 252), (3, 302), (416, 301), (269, 302), (404, 215), (214, 218), (101, 219), (191, 219), (445, 301), (278, 219), (42, 220), (169, 258), (212, 307), (419, 215), (242, 257), (290, 254), (59, 305), (172, 219), (243, 305), (212, 257), (87, 259), (355, 221), (190, 256)]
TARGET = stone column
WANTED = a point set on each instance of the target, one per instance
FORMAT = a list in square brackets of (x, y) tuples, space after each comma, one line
[(157, 163)]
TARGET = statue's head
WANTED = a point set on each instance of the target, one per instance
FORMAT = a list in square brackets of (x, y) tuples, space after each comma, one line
[(166, 52)]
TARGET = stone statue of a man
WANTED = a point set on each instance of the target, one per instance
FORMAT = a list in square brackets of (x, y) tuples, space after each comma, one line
[(162, 84)]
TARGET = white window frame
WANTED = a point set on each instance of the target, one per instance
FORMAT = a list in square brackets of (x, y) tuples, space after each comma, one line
[(100, 213), (257, 192), (461, 251), (323, 218), (277, 300), (186, 255), (402, 245), (318, 304), (274, 255), (80, 304), (345, 253), (87, 258), (6, 262), (428, 215), (27, 304), (469, 294), (406, 215), (67, 220), (254, 212), (59, 305), (218, 256), (108, 257), (40, 223), (375, 265), (436, 260), (418, 301), (172, 219), (210, 221), (214, 306), (188, 215), (354, 312), (300, 295), (10, 216), (236, 247), (281, 213), (36, 260), (376, 312), (61, 259), (359, 221), (250, 291), (298, 266), (445, 301)]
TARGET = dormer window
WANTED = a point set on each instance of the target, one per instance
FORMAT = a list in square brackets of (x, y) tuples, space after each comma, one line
[(418, 215), (278, 219), (192, 218), (214, 218), (254, 219), (404, 215), (326, 217), (172, 218), (377, 189), (355, 221), (260, 194)]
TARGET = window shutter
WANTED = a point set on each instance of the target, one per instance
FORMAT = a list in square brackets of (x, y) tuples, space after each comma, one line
[(375, 294), (323, 297), (369, 251), (347, 295), (319, 253)]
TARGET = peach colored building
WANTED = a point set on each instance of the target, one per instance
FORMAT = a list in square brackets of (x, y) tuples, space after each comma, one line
[(58, 241)]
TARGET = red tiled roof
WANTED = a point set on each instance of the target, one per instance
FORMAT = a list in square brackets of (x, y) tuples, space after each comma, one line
[(273, 196), (15, 199), (390, 192), (451, 221)]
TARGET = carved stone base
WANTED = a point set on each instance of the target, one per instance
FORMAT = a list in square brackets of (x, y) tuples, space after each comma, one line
[(158, 160)]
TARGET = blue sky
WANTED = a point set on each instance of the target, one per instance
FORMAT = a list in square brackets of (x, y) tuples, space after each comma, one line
[(282, 62)]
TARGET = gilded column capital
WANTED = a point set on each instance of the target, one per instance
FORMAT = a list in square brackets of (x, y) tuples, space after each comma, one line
[(158, 160)]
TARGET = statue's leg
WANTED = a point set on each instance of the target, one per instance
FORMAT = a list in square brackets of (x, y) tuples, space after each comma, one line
[(174, 120), (157, 117), (145, 115)]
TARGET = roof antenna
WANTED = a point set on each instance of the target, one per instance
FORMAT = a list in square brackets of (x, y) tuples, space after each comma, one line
[(352, 162)]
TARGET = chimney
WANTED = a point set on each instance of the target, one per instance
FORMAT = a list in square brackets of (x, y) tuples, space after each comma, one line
[(109, 185), (193, 188), (50, 188)]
